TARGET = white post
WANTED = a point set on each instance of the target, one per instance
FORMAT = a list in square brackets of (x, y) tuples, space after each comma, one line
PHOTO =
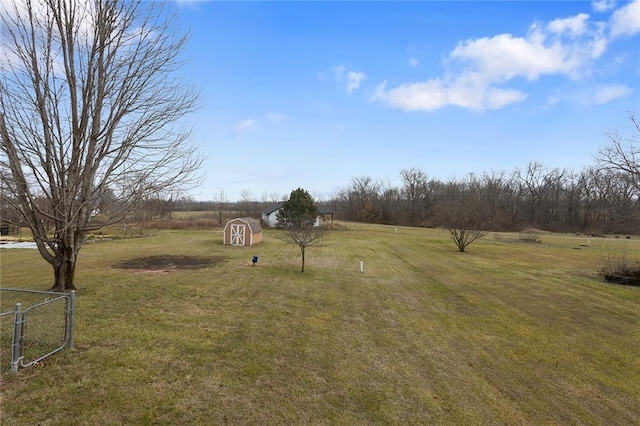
[(16, 344), (361, 266)]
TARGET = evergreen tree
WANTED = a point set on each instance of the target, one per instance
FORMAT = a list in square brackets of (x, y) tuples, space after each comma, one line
[(299, 211)]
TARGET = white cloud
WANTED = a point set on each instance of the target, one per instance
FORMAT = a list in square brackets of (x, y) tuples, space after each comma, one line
[(599, 95), (353, 81), (8, 56), (413, 62), (504, 57), (607, 94), (626, 20), (435, 94), (478, 69), (20, 10), (350, 78), (542, 51), (574, 26), (603, 5), (245, 126)]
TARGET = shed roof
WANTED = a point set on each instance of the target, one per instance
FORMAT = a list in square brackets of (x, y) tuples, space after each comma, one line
[(254, 224)]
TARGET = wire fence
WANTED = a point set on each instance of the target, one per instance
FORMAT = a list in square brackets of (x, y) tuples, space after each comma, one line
[(33, 325)]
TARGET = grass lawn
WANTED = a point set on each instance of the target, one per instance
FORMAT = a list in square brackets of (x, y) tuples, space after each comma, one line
[(506, 333)]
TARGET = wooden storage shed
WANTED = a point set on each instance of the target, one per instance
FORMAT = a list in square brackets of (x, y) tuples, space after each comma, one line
[(242, 231)]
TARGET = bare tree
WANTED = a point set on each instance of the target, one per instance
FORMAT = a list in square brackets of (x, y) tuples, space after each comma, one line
[(304, 235), (220, 200), (415, 191), (248, 204), (360, 201), (464, 219), (622, 155), (89, 105), (297, 220)]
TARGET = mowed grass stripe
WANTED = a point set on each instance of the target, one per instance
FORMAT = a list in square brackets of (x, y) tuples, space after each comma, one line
[(507, 333), (529, 311)]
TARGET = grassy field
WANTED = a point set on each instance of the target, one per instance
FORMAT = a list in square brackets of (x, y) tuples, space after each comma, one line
[(507, 333)]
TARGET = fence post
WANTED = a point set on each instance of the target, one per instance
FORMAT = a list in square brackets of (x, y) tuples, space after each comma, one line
[(17, 337), (71, 313)]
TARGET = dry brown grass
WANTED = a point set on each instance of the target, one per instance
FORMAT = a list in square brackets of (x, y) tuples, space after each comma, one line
[(504, 334)]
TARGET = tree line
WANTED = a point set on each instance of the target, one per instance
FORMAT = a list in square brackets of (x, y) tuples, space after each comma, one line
[(94, 131), (602, 198)]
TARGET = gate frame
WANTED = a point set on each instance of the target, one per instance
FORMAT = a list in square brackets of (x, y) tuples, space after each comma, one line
[(20, 319)]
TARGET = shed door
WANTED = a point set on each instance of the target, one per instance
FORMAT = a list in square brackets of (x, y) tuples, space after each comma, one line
[(237, 235)]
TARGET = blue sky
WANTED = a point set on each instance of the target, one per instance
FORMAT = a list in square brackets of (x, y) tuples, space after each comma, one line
[(312, 94)]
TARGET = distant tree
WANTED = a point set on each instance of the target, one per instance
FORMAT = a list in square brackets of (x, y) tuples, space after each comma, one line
[(622, 154), (220, 201), (464, 219), (540, 188), (247, 204), (390, 202), (90, 108), (415, 192), (360, 201), (297, 222)]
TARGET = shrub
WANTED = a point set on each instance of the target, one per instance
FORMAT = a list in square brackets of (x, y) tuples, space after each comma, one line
[(619, 269)]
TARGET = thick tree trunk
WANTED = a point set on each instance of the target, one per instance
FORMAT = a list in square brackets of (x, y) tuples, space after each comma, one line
[(302, 248), (64, 268)]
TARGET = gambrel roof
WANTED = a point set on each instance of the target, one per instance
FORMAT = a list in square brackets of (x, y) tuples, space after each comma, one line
[(254, 224)]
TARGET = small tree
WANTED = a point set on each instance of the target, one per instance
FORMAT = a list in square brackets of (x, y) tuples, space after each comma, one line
[(464, 219), (297, 219)]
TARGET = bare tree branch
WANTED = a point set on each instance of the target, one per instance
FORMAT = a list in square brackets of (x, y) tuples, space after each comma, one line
[(90, 105)]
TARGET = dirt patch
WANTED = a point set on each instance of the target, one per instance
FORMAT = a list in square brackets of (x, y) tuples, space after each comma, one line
[(167, 263)]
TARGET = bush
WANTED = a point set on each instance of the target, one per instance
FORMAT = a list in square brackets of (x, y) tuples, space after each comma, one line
[(619, 269)]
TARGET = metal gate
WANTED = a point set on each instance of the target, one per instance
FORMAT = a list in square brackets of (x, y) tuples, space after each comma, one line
[(39, 329)]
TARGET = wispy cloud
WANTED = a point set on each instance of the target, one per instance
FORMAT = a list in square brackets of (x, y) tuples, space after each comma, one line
[(573, 26), (478, 71), (598, 95), (603, 5), (241, 129), (339, 72), (353, 81), (350, 78), (607, 94), (553, 100), (413, 62)]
